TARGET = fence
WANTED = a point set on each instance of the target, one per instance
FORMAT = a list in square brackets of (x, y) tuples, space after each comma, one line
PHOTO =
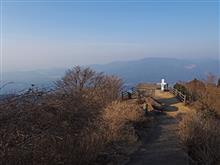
[(128, 94), (178, 94)]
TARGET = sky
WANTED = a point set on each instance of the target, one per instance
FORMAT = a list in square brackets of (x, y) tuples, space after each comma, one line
[(39, 34)]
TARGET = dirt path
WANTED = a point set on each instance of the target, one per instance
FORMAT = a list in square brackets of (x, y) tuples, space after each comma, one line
[(160, 144)]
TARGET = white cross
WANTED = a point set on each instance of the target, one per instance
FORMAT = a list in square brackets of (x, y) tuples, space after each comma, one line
[(162, 84)]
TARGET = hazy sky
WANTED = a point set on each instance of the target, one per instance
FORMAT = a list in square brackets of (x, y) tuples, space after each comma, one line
[(44, 34)]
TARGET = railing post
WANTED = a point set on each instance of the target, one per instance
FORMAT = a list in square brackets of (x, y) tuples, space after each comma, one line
[(179, 95), (184, 99)]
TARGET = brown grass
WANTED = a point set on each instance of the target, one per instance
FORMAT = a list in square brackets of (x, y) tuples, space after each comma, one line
[(120, 118), (64, 131), (200, 136), (50, 129), (209, 100), (200, 131), (69, 125)]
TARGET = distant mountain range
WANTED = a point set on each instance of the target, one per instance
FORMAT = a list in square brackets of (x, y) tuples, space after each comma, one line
[(132, 72), (153, 69)]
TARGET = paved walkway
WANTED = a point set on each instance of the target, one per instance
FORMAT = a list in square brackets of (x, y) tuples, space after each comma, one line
[(160, 144)]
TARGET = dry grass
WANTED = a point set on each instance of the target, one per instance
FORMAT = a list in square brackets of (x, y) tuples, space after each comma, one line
[(200, 131), (120, 118), (64, 131), (70, 125), (200, 136), (49, 130), (209, 100)]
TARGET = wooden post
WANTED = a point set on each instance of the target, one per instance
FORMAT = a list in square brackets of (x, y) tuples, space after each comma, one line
[(175, 91)]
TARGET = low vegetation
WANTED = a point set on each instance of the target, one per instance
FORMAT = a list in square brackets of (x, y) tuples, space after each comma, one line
[(71, 124), (120, 118), (200, 136), (199, 130), (82, 121)]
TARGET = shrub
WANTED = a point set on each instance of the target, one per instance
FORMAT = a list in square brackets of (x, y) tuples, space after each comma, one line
[(218, 84), (88, 83), (181, 88), (46, 128), (71, 124), (200, 136), (119, 118), (209, 100), (195, 89)]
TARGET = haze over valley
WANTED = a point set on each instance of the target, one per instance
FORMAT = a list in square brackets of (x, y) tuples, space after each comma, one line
[(132, 72)]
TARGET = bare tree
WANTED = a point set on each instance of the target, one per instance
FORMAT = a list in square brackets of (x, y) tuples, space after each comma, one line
[(89, 83)]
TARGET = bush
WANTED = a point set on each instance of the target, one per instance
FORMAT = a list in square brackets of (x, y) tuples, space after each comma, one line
[(47, 128), (200, 136), (196, 89), (218, 84), (181, 88), (120, 118), (71, 124), (199, 131), (209, 100), (88, 83)]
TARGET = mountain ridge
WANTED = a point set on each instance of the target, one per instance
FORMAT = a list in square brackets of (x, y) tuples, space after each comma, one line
[(134, 71)]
